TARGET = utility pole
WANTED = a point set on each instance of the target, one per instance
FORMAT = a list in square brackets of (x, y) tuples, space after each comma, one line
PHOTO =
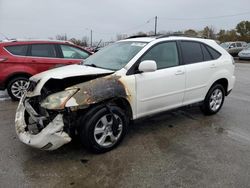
[(91, 38), (155, 25)]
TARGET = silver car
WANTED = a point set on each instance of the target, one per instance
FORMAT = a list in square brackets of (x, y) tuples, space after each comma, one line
[(234, 47), (245, 54)]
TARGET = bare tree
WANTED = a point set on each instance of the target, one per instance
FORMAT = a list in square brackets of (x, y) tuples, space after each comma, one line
[(191, 32), (85, 41), (209, 32), (121, 36), (61, 37)]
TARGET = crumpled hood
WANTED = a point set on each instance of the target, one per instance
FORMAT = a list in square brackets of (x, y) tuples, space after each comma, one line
[(64, 72), (69, 71)]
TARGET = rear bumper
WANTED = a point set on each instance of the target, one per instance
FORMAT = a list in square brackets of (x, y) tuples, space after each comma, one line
[(50, 138)]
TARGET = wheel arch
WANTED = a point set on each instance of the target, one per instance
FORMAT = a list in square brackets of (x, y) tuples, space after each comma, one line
[(223, 82), (17, 74), (121, 102)]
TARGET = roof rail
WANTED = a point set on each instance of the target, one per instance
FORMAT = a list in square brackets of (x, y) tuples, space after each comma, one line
[(158, 36), (37, 40), (137, 36), (178, 35)]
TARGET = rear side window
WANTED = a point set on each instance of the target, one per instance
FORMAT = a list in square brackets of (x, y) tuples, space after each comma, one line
[(191, 52), (43, 50), (17, 50), (238, 44)]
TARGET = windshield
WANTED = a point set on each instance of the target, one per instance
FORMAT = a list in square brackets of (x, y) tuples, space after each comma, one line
[(225, 45), (115, 56)]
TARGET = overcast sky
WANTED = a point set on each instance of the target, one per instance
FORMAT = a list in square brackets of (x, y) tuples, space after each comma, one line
[(47, 18)]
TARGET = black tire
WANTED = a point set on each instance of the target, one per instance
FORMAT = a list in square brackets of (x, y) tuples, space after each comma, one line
[(207, 108), (89, 122), (12, 83)]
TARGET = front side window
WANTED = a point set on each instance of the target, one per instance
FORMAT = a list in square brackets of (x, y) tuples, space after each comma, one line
[(18, 49), (233, 45), (165, 55), (71, 52), (191, 52), (43, 50), (225, 45), (115, 56)]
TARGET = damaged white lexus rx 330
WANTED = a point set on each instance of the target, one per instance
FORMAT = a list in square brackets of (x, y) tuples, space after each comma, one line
[(127, 80)]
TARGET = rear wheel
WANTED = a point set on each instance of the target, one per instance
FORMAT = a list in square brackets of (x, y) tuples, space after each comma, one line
[(17, 86), (214, 100), (103, 129)]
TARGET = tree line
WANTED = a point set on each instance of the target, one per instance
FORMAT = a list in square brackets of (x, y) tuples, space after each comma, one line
[(240, 33)]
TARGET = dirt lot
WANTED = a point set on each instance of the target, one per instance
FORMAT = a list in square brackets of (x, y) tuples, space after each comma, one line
[(182, 148)]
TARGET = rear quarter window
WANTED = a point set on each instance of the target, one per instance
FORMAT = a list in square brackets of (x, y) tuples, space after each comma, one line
[(215, 54), (17, 49)]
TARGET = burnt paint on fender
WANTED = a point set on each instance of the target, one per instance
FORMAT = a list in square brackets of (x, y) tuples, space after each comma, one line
[(99, 89)]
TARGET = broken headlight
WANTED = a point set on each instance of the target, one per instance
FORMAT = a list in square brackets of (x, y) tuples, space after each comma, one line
[(58, 100)]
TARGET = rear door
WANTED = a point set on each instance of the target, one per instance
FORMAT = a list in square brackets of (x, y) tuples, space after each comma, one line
[(43, 57), (12, 58), (200, 64), (239, 46)]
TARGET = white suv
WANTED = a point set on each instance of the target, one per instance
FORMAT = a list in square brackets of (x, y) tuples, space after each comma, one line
[(125, 81)]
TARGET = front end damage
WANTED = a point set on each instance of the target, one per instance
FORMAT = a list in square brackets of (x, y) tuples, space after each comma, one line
[(49, 121), (50, 137)]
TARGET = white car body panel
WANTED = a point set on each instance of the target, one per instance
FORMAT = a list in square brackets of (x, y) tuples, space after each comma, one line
[(160, 90), (147, 93)]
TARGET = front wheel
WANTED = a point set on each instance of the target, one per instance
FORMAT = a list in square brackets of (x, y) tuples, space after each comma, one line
[(17, 87), (214, 100), (103, 129)]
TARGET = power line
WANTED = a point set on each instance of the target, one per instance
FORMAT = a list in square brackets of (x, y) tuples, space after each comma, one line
[(127, 30), (207, 18)]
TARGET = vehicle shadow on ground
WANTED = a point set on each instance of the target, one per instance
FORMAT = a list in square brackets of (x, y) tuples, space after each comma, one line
[(149, 135), (166, 120)]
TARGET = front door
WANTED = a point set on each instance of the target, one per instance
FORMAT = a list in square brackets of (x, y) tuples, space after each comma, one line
[(163, 89)]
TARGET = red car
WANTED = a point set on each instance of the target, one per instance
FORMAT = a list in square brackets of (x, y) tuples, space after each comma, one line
[(19, 60)]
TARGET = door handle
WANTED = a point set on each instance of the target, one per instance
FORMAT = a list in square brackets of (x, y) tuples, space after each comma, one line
[(179, 72)]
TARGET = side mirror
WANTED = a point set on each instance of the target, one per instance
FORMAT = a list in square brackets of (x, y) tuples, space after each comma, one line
[(147, 66)]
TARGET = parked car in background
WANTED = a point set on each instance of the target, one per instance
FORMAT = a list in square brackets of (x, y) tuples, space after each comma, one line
[(127, 80), (245, 54), (20, 59), (234, 47)]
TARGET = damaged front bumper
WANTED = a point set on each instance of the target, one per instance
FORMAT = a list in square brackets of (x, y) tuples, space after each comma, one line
[(49, 138)]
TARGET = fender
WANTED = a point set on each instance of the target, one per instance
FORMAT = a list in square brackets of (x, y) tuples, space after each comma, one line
[(97, 90)]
